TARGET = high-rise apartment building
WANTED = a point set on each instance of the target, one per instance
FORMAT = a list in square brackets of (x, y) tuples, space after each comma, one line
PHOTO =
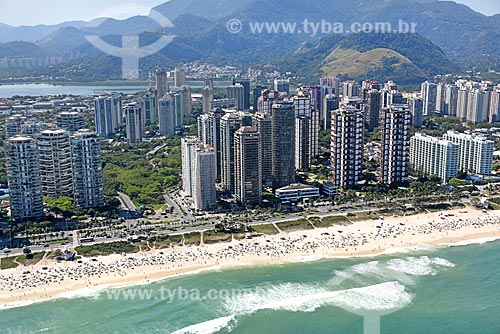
[(135, 124), (108, 115), (87, 170), (429, 97), (434, 156), (450, 100), (209, 133), (188, 146), (248, 167), (330, 103), (475, 152), (14, 125), (282, 85), (149, 108), (462, 103), (372, 109), (56, 165), (229, 124), (246, 91), (204, 196), (346, 146), (351, 89), (161, 83), (440, 97), (23, 173), (70, 121), (263, 123), (267, 99), (198, 172), (478, 106), (416, 106), (394, 149), (283, 143), (331, 85), (166, 114), (236, 92), (187, 107), (306, 130), (494, 112), (207, 97), (179, 77)]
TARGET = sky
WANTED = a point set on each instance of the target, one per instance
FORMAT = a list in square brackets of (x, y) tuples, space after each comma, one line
[(32, 12)]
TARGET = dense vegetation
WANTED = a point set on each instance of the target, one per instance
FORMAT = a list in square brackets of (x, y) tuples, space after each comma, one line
[(468, 38), (106, 249), (387, 58), (142, 176)]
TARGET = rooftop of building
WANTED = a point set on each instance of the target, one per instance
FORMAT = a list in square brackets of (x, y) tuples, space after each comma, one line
[(296, 186)]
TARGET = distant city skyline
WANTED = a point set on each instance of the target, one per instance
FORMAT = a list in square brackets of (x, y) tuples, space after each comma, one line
[(28, 12)]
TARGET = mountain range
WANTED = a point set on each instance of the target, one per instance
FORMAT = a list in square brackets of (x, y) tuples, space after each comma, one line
[(450, 37)]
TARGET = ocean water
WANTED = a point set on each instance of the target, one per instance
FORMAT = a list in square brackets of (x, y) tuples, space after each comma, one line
[(446, 289)]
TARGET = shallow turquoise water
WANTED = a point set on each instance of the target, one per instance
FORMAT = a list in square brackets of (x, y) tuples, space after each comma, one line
[(442, 290)]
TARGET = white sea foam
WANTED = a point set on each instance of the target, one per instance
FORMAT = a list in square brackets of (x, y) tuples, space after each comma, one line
[(479, 241), (208, 327), (400, 269), (307, 298), (408, 249), (89, 292)]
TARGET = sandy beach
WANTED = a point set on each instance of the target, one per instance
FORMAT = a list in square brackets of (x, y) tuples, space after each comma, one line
[(363, 238)]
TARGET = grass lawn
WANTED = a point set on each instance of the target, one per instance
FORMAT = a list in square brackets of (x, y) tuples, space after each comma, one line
[(37, 257), (58, 241), (268, 229), (216, 237), (192, 238), (437, 207), (8, 262), (330, 221), (494, 205), (495, 200), (163, 221), (294, 225), (166, 241), (106, 249)]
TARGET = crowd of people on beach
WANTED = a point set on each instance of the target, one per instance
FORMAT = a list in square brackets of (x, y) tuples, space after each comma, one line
[(337, 239)]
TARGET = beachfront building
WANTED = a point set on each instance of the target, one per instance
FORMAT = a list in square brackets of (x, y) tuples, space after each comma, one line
[(229, 124), (56, 165), (346, 146), (306, 130), (283, 144), (209, 133), (248, 167), (393, 155), (434, 156), (87, 170), (475, 152), (296, 192), (198, 172), (23, 173)]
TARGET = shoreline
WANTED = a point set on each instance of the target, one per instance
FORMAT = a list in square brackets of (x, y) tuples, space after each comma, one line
[(372, 238)]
